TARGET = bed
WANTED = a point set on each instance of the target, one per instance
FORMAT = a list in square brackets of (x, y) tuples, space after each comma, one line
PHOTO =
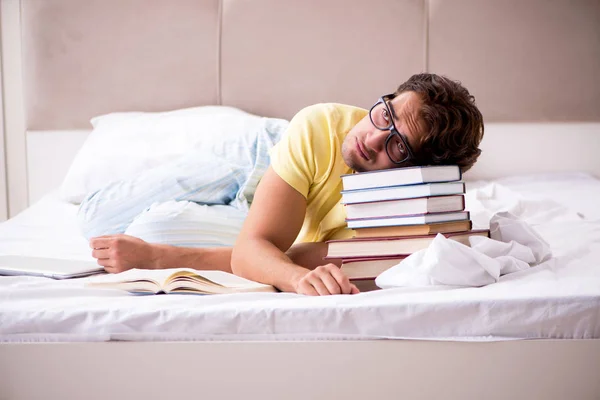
[(534, 334)]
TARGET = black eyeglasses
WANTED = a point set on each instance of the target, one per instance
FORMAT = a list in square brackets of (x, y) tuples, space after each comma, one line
[(396, 146)]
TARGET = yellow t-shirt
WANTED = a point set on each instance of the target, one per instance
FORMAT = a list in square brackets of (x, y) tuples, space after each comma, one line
[(309, 158)]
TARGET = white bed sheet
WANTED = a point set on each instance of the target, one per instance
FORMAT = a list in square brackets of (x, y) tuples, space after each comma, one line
[(558, 299)]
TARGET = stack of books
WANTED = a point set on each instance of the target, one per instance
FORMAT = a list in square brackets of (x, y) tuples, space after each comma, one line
[(397, 212)]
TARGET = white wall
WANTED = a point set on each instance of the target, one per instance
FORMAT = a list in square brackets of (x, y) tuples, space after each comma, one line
[(3, 195), (15, 165), (47, 169)]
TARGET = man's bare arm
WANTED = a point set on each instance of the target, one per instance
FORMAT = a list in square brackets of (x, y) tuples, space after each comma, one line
[(274, 220), (272, 225), (310, 255), (118, 253)]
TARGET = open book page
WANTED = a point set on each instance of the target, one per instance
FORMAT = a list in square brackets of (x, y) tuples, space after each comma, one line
[(159, 276), (185, 280), (133, 280), (180, 280)]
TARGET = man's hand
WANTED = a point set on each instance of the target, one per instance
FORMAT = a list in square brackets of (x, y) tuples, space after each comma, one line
[(118, 253), (325, 280)]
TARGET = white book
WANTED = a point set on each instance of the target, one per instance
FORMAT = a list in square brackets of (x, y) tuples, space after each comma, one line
[(55, 268), (408, 220), (402, 192), (420, 205), (401, 176)]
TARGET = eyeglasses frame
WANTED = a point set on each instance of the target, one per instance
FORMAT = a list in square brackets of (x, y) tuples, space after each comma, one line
[(392, 128)]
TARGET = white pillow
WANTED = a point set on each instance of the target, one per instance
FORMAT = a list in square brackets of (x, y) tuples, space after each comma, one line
[(123, 144)]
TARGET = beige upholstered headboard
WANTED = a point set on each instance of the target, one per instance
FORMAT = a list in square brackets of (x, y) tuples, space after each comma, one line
[(531, 64)]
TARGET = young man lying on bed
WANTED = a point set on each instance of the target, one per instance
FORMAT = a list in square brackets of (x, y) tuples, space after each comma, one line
[(428, 120)]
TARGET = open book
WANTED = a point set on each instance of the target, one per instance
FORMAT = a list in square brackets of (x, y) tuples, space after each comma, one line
[(181, 280)]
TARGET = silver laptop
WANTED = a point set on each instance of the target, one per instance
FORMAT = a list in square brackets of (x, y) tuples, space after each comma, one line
[(47, 267)]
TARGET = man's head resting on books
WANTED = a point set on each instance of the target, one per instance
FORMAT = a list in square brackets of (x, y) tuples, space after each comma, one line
[(428, 120)]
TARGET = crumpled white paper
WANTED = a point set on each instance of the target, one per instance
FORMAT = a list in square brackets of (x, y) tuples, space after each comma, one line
[(513, 246)]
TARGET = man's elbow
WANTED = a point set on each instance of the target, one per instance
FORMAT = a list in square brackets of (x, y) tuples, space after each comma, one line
[(238, 260)]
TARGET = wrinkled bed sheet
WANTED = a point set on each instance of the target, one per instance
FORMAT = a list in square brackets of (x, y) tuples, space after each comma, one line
[(559, 298)]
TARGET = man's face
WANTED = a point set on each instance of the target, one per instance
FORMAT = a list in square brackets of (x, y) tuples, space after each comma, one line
[(364, 146)]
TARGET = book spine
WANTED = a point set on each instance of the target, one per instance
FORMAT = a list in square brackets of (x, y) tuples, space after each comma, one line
[(362, 256)]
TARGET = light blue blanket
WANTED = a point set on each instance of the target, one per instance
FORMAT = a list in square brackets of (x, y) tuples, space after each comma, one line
[(226, 176)]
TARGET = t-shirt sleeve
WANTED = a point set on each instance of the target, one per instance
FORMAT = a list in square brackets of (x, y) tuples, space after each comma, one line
[(295, 157)]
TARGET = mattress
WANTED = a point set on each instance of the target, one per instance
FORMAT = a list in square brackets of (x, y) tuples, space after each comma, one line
[(559, 299)]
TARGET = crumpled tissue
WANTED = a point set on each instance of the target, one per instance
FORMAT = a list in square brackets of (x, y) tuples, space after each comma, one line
[(513, 246)]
